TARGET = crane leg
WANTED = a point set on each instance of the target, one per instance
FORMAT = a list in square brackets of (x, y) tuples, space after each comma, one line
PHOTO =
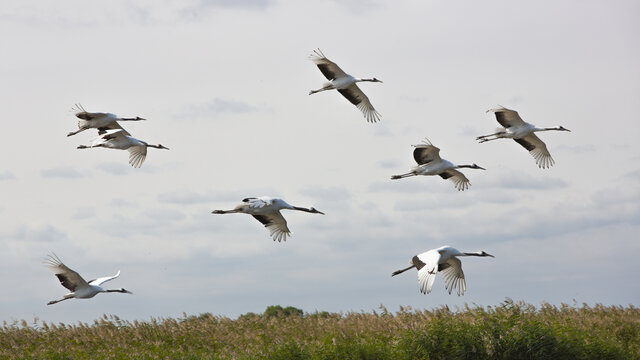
[(396, 177)]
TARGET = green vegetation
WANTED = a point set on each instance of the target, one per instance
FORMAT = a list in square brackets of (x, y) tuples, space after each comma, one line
[(508, 331)]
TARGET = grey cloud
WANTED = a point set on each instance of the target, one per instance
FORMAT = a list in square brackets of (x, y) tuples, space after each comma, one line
[(525, 182), (333, 193), (633, 174), (400, 186), (164, 215), (619, 205), (468, 131), (578, 149), (327, 198), (414, 99), (182, 197), (6, 175), (114, 168), (186, 197), (360, 7), (439, 202), (84, 213), (214, 108), (389, 164), (61, 172), (117, 202), (133, 225), (251, 4), (382, 130), (40, 233)]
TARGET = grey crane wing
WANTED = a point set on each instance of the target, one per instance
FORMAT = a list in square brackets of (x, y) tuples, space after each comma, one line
[(357, 97), (85, 115), (328, 68), (276, 224), (257, 203), (459, 180), (112, 126), (507, 117), (67, 277), (425, 153), (538, 149)]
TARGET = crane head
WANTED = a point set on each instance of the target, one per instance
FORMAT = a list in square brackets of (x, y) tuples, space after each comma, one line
[(561, 128), (315, 211)]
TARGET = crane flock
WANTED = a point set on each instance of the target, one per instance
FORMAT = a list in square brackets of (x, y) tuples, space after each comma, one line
[(112, 135), (444, 260)]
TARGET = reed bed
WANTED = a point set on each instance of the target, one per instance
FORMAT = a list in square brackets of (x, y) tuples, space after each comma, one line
[(511, 330)]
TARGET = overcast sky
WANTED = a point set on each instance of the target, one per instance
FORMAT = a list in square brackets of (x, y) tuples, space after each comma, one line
[(224, 84)]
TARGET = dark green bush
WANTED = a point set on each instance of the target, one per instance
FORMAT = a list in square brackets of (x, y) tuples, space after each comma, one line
[(279, 311)]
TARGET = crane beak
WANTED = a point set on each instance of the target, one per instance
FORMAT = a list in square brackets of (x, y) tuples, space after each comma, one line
[(317, 211)]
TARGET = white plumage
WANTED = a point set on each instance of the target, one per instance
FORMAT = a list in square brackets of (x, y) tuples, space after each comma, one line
[(513, 127), (267, 210), (443, 260), (98, 120), (122, 140), (430, 163), (78, 287), (345, 84)]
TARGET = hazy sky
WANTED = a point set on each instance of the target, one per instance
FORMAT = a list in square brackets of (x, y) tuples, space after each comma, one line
[(225, 84)]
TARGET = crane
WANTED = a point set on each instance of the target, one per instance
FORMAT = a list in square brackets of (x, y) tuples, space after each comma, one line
[(267, 210), (444, 260), (345, 84), (122, 140), (513, 127), (98, 120), (430, 163), (78, 287)]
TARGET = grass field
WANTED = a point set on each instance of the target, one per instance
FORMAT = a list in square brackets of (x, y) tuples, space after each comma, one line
[(508, 331)]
